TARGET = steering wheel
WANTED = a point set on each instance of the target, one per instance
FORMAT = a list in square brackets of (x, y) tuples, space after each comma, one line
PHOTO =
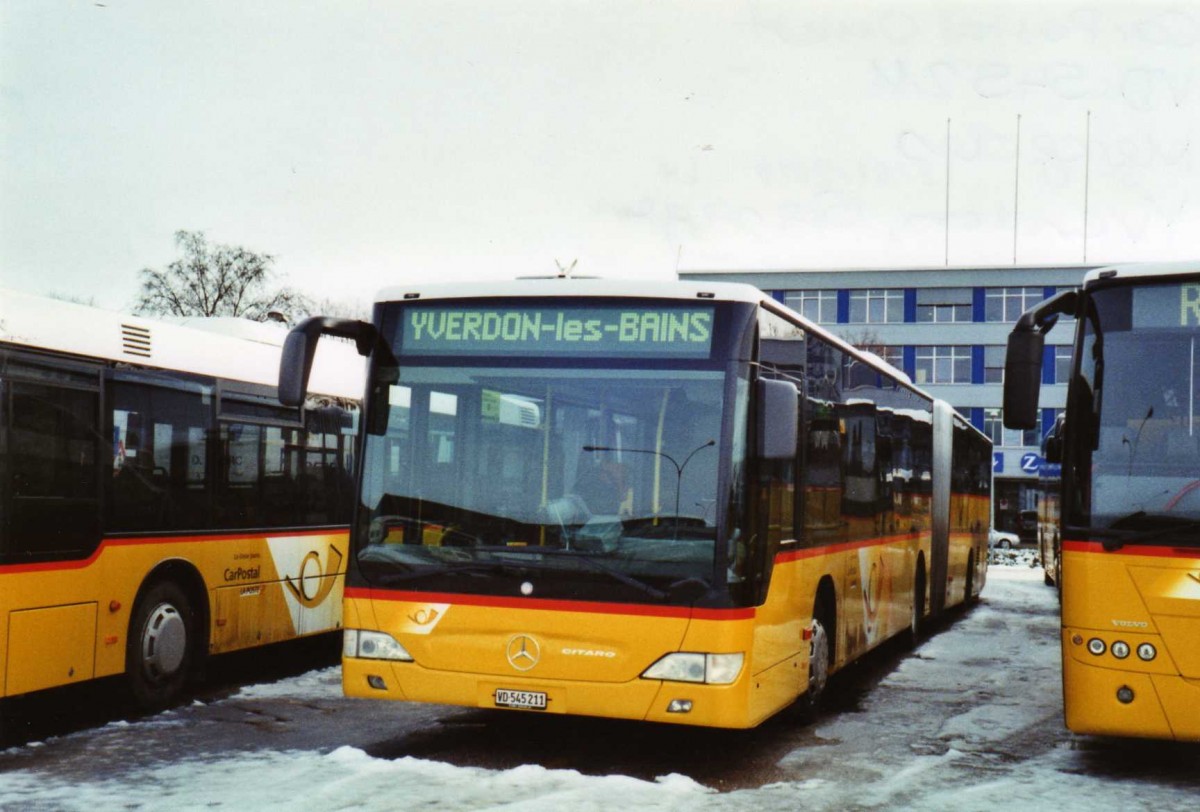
[(1184, 491)]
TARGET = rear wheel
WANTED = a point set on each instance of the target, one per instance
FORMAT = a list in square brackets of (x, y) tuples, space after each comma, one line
[(1058, 571), (160, 651), (916, 623), (969, 590)]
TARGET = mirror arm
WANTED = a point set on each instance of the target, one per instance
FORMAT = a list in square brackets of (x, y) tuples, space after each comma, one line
[(1042, 317), (300, 346)]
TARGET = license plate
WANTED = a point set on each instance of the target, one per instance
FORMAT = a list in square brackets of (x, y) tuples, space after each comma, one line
[(529, 700)]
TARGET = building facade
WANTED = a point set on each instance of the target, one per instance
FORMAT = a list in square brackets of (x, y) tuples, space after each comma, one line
[(947, 328)]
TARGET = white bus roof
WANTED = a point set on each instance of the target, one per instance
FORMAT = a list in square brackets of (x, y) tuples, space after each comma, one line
[(1142, 270), (686, 289), (577, 286), (224, 348)]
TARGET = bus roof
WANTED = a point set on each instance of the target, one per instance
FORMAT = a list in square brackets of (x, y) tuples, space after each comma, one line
[(577, 286), (685, 289), (234, 349), (1142, 270)]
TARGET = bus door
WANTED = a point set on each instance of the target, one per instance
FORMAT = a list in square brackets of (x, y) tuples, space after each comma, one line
[(50, 466), (939, 553)]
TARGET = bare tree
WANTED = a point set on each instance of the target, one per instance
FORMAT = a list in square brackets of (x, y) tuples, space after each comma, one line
[(74, 298), (867, 340), (341, 308), (217, 280)]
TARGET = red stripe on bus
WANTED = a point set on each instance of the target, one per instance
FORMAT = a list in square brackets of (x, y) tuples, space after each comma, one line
[(139, 541), (1152, 552), (502, 602)]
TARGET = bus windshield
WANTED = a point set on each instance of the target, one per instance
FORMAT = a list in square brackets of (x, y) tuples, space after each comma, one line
[(1138, 386), (544, 478)]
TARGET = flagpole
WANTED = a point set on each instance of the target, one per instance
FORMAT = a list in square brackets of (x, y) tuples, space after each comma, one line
[(1087, 163), (1016, 188), (947, 192)]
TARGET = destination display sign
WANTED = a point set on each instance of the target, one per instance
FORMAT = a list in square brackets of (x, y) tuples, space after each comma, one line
[(1189, 305), (611, 332), (1167, 305)]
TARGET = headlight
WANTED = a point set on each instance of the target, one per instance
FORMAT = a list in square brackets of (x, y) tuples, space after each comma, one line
[(713, 669), (372, 646)]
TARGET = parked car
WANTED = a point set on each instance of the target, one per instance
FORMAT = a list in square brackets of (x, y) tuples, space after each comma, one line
[(1003, 539)]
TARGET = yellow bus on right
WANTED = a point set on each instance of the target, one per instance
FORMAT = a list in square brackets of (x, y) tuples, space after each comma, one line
[(1128, 564)]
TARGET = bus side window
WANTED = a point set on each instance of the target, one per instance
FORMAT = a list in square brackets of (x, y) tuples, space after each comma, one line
[(52, 482), (327, 486), (277, 476), (240, 495), (159, 477)]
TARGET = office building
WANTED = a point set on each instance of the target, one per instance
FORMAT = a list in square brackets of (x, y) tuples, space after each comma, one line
[(947, 328)]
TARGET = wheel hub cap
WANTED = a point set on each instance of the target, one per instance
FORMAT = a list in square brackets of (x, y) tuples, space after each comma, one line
[(164, 641)]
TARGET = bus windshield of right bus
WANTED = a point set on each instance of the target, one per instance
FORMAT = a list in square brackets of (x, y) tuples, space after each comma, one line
[(1135, 450)]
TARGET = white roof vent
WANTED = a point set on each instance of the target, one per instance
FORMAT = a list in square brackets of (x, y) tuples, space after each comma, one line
[(135, 340)]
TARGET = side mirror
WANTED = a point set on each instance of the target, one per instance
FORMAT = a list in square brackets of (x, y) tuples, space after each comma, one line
[(1052, 443), (1022, 379), (1052, 449), (295, 365), (778, 419), (300, 347), (1023, 362)]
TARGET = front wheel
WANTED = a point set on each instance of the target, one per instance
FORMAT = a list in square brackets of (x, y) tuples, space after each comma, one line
[(818, 661), (160, 650), (819, 656)]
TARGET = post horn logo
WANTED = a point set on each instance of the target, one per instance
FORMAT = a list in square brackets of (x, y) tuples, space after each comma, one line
[(312, 586), (523, 652)]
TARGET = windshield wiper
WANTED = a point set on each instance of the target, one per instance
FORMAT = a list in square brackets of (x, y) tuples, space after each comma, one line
[(600, 566), (1115, 537), (463, 568)]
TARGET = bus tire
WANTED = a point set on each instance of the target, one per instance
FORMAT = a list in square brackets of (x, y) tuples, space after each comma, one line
[(820, 659), (916, 623), (160, 650), (969, 589), (1058, 575)]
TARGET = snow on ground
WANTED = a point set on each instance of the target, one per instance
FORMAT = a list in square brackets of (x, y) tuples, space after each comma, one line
[(946, 729), (322, 683), (349, 779), (1009, 557)]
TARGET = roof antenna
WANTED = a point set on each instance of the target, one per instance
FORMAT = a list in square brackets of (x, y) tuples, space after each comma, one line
[(565, 273)]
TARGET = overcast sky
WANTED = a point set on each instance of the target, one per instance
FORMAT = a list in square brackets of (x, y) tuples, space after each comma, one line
[(374, 143)]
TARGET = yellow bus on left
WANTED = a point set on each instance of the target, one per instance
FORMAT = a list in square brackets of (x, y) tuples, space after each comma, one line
[(157, 504)]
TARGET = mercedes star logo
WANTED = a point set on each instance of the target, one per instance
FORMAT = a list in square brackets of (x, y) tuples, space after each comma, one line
[(523, 652)]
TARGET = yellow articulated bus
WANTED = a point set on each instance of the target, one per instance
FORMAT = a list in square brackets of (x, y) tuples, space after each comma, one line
[(673, 502), (157, 504), (1127, 561)]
